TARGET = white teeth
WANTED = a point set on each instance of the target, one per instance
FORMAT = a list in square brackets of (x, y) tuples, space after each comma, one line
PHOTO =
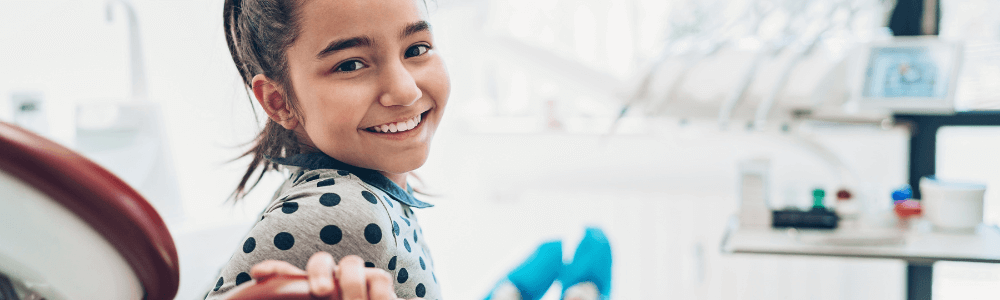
[(398, 126)]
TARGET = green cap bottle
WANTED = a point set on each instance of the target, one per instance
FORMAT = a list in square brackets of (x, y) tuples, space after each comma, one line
[(818, 195)]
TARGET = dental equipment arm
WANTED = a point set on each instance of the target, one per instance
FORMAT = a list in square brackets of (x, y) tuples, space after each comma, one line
[(137, 67), (800, 52)]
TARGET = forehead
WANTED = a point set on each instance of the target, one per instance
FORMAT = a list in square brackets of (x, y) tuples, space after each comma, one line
[(330, 19)]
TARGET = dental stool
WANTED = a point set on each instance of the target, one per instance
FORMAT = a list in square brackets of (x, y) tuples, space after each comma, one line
[(70, 230)]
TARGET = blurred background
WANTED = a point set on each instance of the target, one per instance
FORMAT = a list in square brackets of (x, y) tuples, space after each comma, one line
[(631, 115)]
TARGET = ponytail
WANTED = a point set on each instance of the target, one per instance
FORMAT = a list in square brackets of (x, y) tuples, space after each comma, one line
[(258, 32)]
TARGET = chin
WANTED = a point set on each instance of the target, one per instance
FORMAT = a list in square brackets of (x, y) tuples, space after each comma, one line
[(399, 165)]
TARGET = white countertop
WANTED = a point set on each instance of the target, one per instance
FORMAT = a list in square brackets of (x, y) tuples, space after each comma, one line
[(916, 247)]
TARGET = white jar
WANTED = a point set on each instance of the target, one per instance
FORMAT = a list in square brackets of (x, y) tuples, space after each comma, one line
[(952, 206)]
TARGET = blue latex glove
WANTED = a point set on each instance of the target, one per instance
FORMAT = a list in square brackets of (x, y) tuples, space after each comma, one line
[(591, 262), (535, 275)]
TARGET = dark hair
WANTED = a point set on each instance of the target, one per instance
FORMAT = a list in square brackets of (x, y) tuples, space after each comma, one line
[(258, 32)]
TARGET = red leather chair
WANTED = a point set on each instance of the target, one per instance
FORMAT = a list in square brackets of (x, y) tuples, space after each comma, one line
[(72, 230)]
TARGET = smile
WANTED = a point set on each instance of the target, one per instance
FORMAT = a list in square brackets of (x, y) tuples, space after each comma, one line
[(396, 127)]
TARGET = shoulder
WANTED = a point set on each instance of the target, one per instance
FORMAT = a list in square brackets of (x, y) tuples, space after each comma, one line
[(330, 188), (332, 203)]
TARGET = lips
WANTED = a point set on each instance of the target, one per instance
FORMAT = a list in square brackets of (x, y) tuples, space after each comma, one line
[(396, 127)]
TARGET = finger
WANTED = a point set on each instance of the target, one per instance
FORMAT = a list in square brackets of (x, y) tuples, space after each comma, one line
[(379, 284), (351, 276), (268, 268), (320, 272)]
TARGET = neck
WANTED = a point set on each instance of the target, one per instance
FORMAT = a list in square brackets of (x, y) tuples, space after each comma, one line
[(399, 179)]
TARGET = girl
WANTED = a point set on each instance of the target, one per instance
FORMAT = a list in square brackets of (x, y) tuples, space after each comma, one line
[(354, 92)]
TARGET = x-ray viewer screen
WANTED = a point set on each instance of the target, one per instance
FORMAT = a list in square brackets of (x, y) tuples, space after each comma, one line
[(910, 72)]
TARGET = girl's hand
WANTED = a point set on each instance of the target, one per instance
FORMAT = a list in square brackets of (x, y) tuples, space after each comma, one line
[(347, 280)]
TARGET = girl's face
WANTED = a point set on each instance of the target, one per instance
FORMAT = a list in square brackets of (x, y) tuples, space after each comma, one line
[(370, 86)]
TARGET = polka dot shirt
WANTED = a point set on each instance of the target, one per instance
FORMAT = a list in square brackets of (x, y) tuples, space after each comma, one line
[(326, 205)]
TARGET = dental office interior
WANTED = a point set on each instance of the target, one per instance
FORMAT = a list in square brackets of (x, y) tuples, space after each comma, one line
[(677, 127)]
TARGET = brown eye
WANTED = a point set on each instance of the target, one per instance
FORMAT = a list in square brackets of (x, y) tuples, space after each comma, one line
[(350, 66), (417, 50)]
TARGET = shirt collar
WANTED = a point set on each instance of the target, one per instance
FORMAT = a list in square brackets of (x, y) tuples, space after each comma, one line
[(319, 160)]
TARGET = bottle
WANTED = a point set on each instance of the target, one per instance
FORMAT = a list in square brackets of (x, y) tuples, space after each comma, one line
[(848, 208), (818, 196), (753, 194), (905, 207)]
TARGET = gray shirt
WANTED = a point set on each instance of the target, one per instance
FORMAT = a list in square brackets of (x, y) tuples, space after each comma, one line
[(329, 206)]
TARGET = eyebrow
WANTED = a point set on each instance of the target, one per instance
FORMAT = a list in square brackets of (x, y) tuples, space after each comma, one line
[(341, 44), (366, 41), (414, 27)]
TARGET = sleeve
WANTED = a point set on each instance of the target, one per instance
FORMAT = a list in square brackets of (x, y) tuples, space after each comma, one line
[(320, 212)]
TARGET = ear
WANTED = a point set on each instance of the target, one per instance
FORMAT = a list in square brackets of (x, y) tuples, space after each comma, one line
[(272, 99)]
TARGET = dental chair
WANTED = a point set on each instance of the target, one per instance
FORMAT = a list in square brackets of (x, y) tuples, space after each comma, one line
[(72, 230)]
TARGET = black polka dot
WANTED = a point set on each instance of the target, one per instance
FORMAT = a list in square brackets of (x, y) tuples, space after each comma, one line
[(373, 233), (414, 236), (314, 177), (298, 175), (369, 264), (325, 182), (331, 234), (369, 196), (407, 221), (402, 276), (343, 173), (289, 207), (421, 290), (249, 245), (422, 266), (218, 284), (395, 228), (284, 241), (392, 263), (407, 245), (262, 218), (329, 199), (387, 200), (242, 277)]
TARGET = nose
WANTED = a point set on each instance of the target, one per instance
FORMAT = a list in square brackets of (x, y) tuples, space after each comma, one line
[(399, 86)]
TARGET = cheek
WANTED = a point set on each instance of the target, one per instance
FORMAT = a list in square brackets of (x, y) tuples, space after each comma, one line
[(334, 111), (437, 83)]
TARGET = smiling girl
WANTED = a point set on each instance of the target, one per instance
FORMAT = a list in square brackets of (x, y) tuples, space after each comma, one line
[(354, 91)]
